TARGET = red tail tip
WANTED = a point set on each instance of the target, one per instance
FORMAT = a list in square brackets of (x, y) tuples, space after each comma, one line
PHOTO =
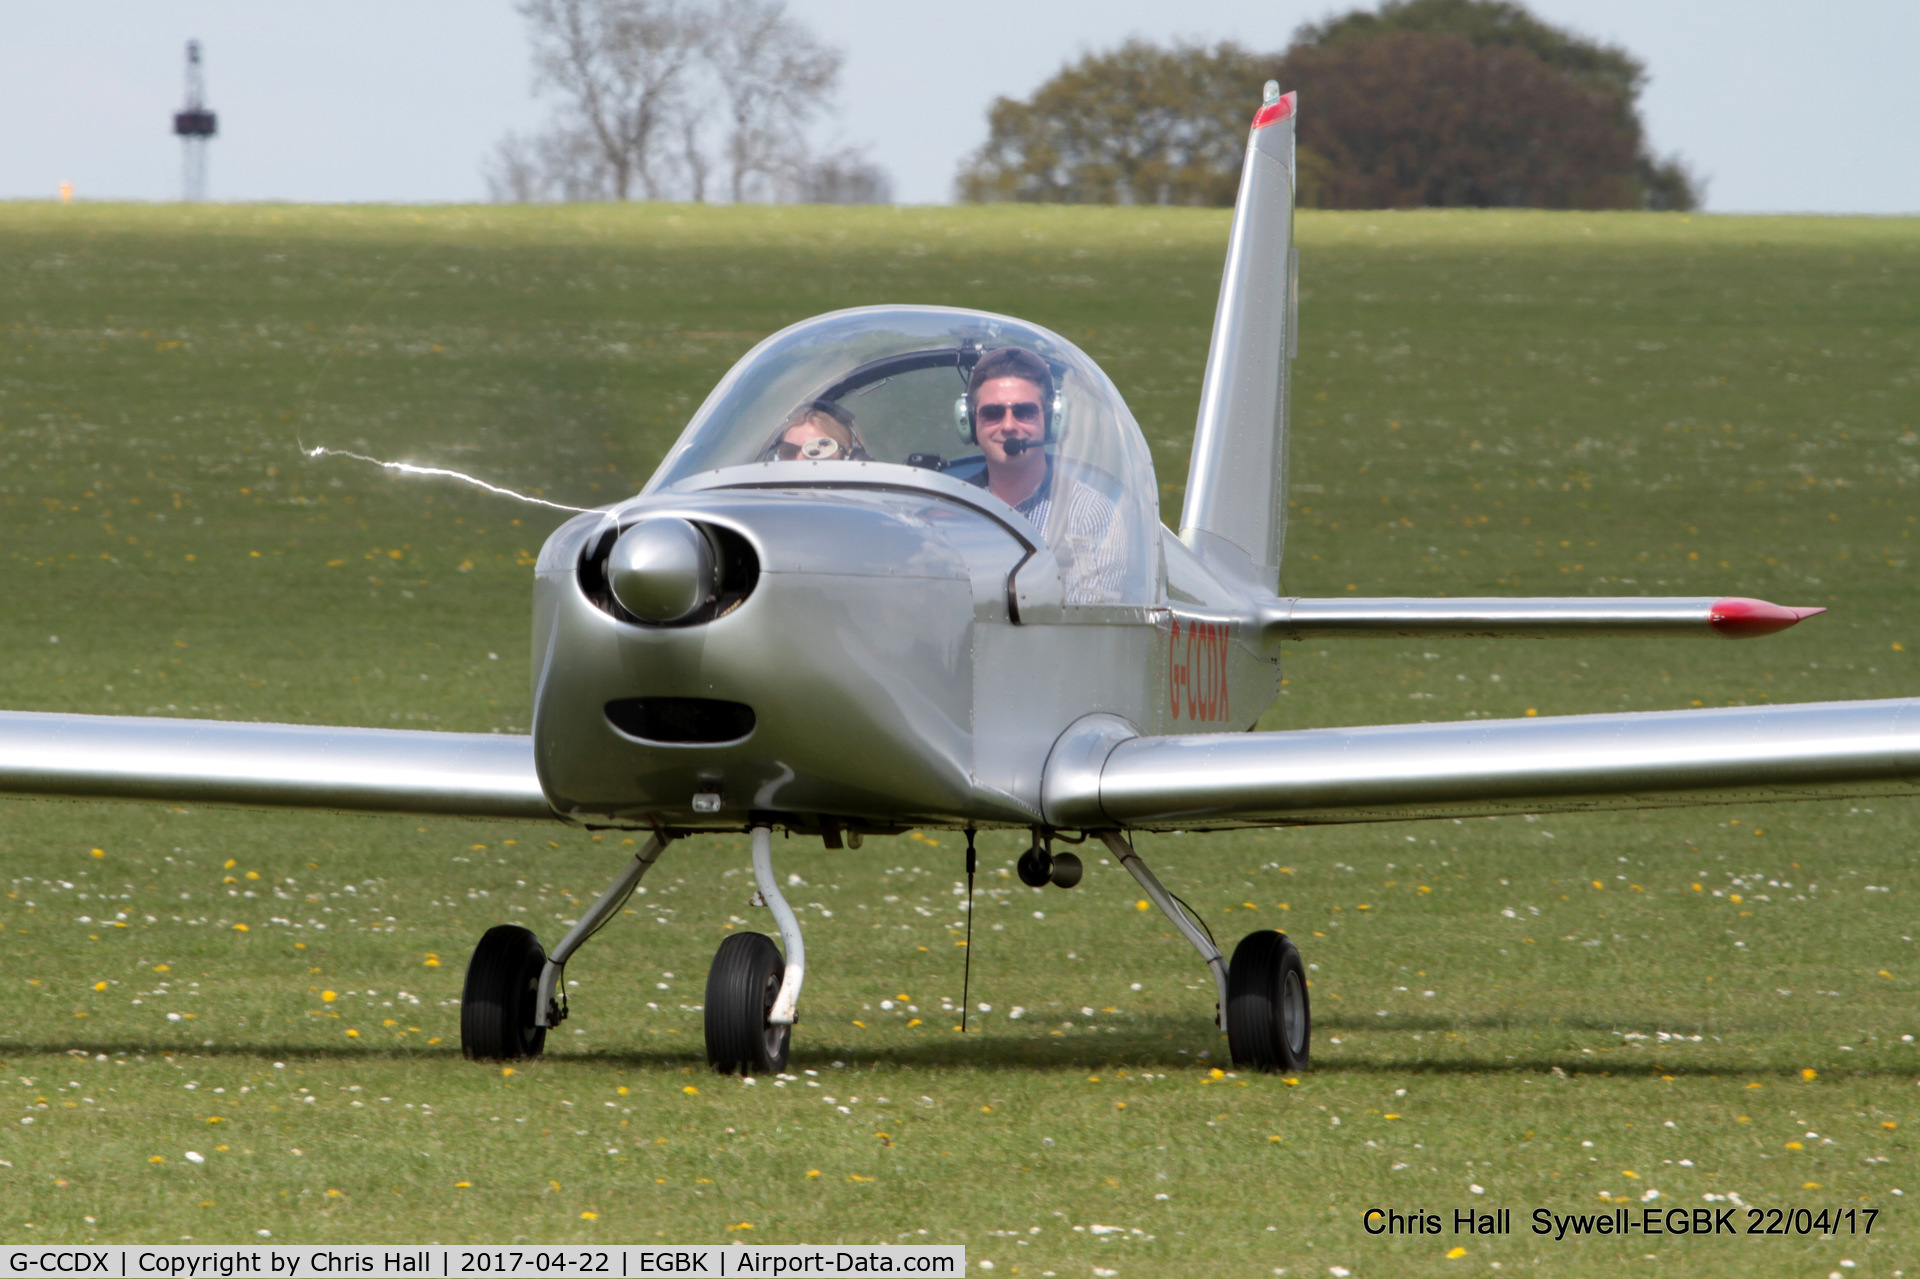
[(1738, 618), (1278, 111)]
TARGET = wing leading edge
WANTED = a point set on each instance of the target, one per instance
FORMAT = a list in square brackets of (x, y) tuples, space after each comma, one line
[(349, 770), (1102, 773)]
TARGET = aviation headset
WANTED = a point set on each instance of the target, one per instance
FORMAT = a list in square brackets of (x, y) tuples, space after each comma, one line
[(1010, 361)]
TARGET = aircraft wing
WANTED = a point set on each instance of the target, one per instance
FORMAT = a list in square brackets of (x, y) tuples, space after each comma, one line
[(352, 770), (1102, 773)]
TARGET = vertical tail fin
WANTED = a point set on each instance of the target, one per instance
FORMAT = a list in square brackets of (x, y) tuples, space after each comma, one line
[(1235, 517)]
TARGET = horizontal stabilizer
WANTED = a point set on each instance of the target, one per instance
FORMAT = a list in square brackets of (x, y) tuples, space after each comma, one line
[(353, 770), (1100, 775), (1725, 617)]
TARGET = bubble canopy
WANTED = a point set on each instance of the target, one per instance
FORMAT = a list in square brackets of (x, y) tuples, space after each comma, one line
[(889, 386)]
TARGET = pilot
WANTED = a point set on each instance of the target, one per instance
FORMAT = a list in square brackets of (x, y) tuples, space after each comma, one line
[(817, 431), (1010, 405)]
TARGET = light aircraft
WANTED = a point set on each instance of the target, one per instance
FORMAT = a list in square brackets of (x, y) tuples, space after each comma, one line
[(905, 568)]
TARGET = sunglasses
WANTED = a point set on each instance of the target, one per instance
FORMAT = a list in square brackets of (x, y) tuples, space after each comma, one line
[(1026, 412), (820, 448)]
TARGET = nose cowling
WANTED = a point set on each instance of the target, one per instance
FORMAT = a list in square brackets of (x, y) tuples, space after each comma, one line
[(663, 570)]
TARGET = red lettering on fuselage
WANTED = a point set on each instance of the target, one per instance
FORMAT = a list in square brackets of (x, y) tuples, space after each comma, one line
[(1197, 670)]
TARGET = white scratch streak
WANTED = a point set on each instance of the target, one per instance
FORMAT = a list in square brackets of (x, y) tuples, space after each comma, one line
[(408, 468)]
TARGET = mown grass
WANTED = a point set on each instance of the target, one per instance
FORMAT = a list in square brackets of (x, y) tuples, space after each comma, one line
[(1486, 403)]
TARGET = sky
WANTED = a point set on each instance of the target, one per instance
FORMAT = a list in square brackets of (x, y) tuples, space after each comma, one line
[(1782, 105)]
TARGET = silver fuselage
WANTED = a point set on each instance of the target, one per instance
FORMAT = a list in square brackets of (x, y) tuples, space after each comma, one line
[(905, 654)]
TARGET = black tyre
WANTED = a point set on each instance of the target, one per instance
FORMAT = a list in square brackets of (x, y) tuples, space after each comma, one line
[(501, 992), (741, 987), (1269, 1019)]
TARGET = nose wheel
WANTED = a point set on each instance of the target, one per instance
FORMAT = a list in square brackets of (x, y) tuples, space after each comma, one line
[(1269, 1019), (741, 988), (501, 995)]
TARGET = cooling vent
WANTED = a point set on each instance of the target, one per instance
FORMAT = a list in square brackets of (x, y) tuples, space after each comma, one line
[(681, 721)]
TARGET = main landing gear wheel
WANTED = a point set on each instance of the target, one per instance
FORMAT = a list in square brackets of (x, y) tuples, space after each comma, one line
[(498, 1001), (1269, 1023), (741, 987)]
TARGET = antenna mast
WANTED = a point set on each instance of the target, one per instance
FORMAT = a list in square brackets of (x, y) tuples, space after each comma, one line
[(195, 125)]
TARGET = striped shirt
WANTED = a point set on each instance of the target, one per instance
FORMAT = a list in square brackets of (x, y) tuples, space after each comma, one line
[(1083, 538)]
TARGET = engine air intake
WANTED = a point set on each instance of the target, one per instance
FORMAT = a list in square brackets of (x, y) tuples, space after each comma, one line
[(682, 721)]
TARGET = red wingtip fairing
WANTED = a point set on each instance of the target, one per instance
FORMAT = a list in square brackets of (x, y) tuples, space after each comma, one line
[(1278, 111), (1738, 618)]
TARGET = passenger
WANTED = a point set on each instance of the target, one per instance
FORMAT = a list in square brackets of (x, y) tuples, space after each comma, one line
[(1010, 407), (817, 431)]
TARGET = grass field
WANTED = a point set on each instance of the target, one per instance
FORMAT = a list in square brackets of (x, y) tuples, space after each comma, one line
[(1711, 1008)]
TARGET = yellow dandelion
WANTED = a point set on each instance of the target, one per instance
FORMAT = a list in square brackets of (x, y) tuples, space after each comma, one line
[(333, 1194), (1216, 1073), (1456, 1252), (99, 852), (857, 1177), (239, 928), (691, 1091), (813, 1172), (1274, 1138), (1809, 1074), (1389, 1116), (1809, 1185), (1628, 1172), (914, 1022), (1794, 1145), (353, 1034), (99, 985), (504, 1072), (463, 1185), (1888, 1124), (328, 996), (1142, 904), (741, 1225), (589, 1216), (157, 1159)]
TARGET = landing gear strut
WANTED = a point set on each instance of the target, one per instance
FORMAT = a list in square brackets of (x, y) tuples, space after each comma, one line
[(513, 994), (751, 992), (1263, 995)]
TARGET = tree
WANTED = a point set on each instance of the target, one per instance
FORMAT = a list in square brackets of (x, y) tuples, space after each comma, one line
[(1139, 125), (1662, 185), (774, 78), (1413, 119), (645, 85), (561, 164), (1445, 102), (841, 177), (1488, 23), (620, 66)]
